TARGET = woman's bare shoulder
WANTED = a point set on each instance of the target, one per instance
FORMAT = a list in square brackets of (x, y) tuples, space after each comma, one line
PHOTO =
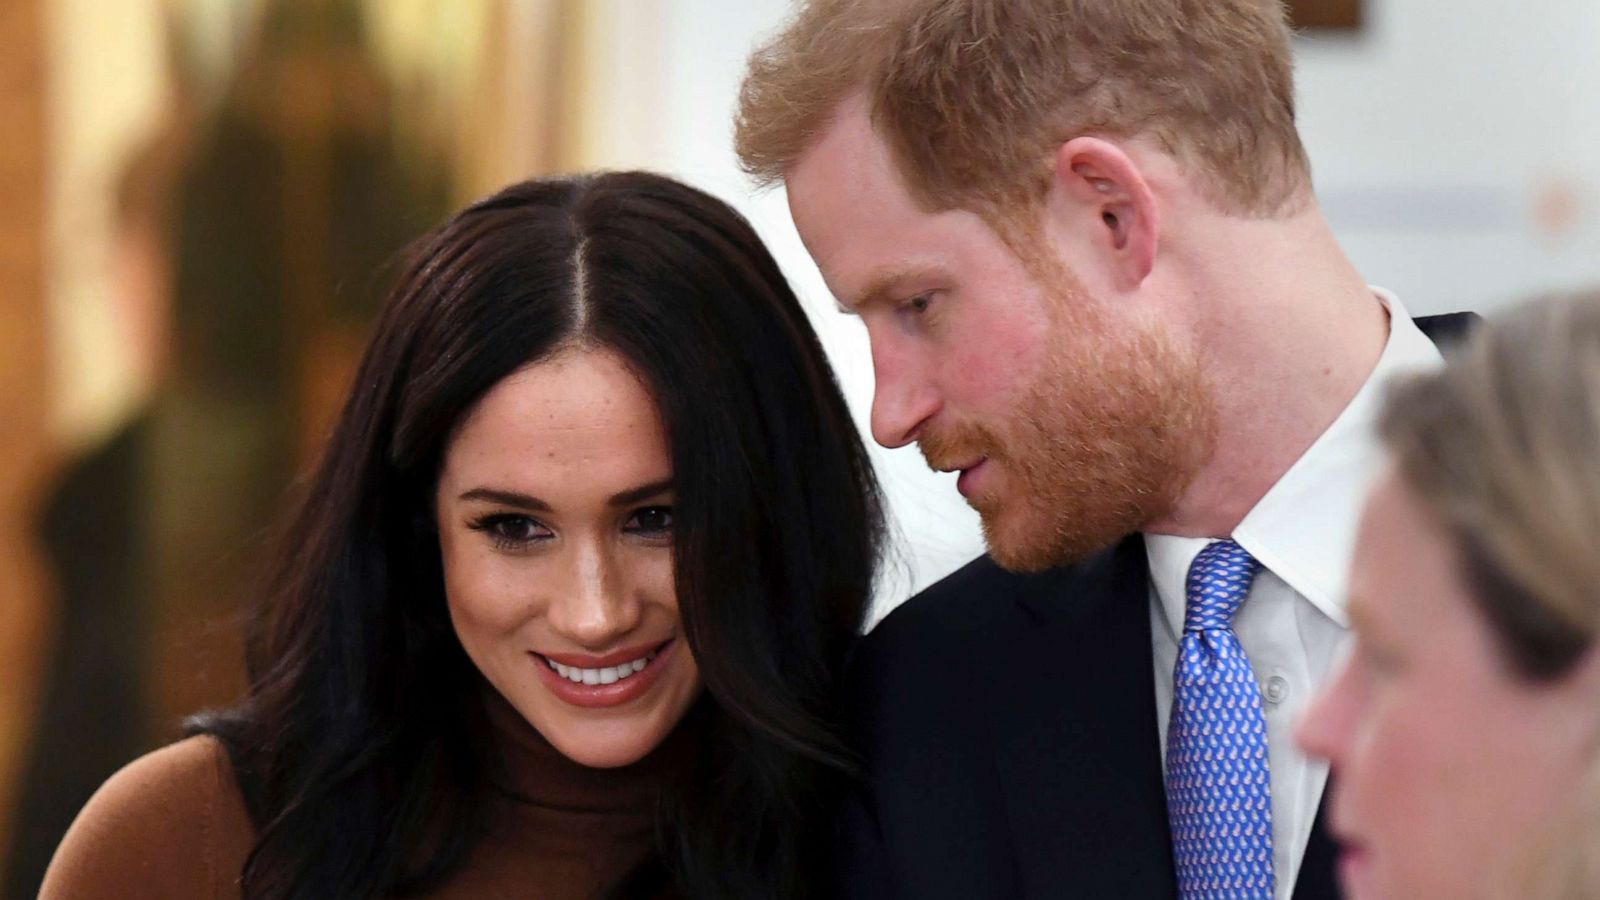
[(169, 824)]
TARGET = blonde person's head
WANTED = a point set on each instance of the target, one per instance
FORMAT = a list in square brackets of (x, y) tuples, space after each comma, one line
[(974, 96), (1502, 448)]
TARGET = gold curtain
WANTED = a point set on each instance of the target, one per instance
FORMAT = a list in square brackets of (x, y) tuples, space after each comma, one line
[(24, 619), (480, 93)]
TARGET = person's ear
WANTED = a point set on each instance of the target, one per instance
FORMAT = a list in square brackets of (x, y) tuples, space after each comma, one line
[(1098, 188)]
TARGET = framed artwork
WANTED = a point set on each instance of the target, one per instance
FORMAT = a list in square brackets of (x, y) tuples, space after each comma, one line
[(1339, 14)]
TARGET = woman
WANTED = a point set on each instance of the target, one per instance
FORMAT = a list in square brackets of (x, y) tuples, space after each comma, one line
[(561, 610), (1464, 732)]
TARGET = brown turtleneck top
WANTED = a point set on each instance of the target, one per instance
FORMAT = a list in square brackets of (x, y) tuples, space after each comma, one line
[(173, 824)]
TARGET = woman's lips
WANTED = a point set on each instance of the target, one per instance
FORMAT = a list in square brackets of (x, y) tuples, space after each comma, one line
[(600, 681)]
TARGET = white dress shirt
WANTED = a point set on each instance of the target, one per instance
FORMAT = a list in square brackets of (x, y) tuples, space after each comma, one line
[(1292, 624)]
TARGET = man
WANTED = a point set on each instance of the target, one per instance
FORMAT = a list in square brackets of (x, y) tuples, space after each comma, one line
[(1082, 237)]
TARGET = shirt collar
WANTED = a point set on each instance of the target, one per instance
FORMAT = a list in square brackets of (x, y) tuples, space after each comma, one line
[(1303, 529)]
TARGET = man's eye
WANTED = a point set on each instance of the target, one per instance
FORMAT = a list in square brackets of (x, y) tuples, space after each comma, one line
[(511, 531), (919, 303), (652, 520)]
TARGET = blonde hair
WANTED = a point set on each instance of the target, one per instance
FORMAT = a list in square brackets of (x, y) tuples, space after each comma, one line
[(973, 96), (1503, 447)]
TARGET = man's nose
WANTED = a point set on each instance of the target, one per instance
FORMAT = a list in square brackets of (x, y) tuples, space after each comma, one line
[(903, 397)]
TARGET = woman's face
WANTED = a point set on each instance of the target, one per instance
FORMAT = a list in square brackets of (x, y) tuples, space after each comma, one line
[(1444, 762), (555, 525)]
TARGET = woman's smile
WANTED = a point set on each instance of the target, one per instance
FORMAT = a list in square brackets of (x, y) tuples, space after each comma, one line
[(611, 680)]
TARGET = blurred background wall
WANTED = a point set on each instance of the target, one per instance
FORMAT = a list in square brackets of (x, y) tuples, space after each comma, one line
[(203, 200)]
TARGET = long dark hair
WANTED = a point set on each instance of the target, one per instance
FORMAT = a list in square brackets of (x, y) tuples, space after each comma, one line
[(359, 745)]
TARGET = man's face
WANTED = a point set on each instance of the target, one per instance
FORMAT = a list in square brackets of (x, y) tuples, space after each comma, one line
[(1071, 425)]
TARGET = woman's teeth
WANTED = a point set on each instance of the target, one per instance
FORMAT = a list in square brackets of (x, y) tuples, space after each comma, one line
[(608, 675)]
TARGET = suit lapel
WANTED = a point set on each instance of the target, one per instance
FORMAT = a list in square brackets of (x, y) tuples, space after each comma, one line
[(1449, 329), (1078, 754), (1318, 879)]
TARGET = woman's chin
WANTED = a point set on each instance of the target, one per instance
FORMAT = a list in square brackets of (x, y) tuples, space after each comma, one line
[(603, 739), (608, 754)]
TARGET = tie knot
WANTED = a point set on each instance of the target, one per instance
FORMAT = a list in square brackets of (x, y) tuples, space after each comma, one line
[(1219, 579)]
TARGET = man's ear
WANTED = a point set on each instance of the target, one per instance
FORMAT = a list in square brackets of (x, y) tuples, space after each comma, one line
[(1100, 190)]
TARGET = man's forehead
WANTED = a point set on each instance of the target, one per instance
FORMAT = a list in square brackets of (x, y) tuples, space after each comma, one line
[(844, 161), (854, 215)]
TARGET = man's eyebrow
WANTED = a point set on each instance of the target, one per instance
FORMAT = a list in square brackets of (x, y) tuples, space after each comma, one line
[(877, 290)]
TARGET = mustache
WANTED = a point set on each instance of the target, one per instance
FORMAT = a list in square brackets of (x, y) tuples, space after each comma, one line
[(954, 445)]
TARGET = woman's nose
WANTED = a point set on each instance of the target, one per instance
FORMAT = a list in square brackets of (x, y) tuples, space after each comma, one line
[(1326, 726), (593, 605)]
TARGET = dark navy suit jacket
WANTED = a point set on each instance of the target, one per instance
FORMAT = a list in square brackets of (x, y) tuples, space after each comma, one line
[(1008, 723)]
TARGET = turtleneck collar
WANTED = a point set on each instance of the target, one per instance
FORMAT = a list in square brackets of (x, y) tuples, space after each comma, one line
[(531, 772)]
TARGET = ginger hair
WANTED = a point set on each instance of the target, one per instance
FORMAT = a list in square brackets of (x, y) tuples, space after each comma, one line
[(974, 96)]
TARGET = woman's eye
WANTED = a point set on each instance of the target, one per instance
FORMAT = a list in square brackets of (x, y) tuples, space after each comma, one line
[(1379, 662), (650, 521), (510, 531)]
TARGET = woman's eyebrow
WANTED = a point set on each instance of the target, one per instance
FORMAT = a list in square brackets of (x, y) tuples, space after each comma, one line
[(642, 492), (509, 498), (529, 502)]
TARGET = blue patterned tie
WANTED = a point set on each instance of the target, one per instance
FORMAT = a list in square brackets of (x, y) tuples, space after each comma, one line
[(1219, 796)]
